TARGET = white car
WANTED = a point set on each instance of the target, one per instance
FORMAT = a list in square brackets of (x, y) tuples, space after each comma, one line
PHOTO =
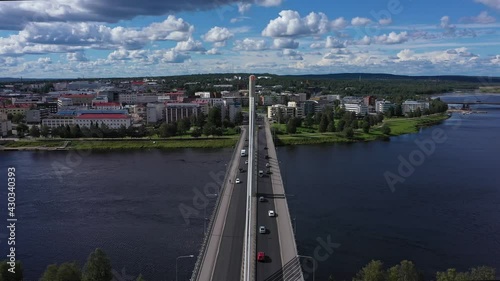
[(268, 165), (271, 213), (262, 229), (238, 180), (246, 162)]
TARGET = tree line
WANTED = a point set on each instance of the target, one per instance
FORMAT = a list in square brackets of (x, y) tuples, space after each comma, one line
[(97, 268), (407, 271)]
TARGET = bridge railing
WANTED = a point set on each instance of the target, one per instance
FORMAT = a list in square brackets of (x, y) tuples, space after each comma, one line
[(203, 247)]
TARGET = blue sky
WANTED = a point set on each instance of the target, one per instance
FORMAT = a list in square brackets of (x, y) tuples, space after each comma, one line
[(123, 38)]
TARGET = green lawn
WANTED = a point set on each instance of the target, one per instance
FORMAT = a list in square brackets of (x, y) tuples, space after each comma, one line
[(35, 143)]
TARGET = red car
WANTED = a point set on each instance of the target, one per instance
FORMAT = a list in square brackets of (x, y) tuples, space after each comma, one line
[(261, 256)]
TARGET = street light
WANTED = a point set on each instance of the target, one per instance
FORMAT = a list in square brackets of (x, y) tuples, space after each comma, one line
[(180, 257), (313, 261)]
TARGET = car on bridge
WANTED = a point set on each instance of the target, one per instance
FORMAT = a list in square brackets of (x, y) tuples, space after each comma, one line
[(238, 180), (262, 199), (261, 256), (262, 229), (271, 213)]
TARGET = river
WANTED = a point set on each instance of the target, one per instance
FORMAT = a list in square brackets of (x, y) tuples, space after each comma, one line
[(443, 214)]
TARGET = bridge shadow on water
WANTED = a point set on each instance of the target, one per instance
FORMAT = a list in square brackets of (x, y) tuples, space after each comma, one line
[(291, 271)]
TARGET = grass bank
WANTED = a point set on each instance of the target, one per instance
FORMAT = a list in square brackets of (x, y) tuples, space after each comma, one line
[(399, 126), (129, 144)]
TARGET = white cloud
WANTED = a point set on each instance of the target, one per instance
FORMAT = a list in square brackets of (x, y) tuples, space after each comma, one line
[(482, 18), (364, 41), (290, 24), (291, 54), (385, 21), (317, 45), (76, 56), (495, 60), (458, 56), (268, 3), (190, 45), (332, 42), (244, 7), (213, 51), (392, 38), (218, 35), (250, 45), (495, 4), (339, 23), (358, 21), (285, 43)]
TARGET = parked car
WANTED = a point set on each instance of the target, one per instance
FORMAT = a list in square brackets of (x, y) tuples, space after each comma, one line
[(271, 213), (262, 229), (268, 165), (262, 199), (246, 162), (238, 180), (261, 256)]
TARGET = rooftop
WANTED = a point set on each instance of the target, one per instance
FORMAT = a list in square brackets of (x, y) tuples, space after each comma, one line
[(102, 116)]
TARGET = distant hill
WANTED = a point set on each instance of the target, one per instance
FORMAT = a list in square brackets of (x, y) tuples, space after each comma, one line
[(382, 76)]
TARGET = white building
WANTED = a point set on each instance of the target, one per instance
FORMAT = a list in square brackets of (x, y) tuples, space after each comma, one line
[(409, 106), (146, 99), (178, 111), (59, 121), (276, 111), (358, 108), (113, 121), (383, 106), (107, 106), (154, 112), (5, 125), (36, 115), (332, 97), (64, 102), (205, 95)]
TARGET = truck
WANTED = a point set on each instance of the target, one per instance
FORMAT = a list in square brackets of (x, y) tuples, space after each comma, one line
[(243, 153)]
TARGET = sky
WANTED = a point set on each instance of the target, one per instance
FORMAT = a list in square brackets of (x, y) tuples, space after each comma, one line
[(130, 38)]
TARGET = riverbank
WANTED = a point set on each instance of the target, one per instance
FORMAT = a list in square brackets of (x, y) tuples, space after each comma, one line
[(119, 144), (399, 126)]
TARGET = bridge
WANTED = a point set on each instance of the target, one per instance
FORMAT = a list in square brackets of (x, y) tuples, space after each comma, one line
[(472, 102), (253, 186)]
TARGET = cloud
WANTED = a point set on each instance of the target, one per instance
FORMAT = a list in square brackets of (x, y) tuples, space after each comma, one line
[(218, 35), (358, 21), (459, 56), (239, 19), (290, 24), (385, 21), (290, 54), (248, 44), (268, 3), (445, 24), (332, 42), (339, 23), (244, 7), (190, 45), (482, 18), (213, 51), (76, 56), (285, 43), (392, 38), (495, 4)]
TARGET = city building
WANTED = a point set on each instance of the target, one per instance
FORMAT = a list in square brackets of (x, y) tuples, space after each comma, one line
[(107, 105), (268, 100), (80, 99), (178, 111), (57, 121), (35, 116), (358, 108), (15, 109), (383, 106), (5, 125), (369, 100), (146, 99), (411, 106), (233, 107), (155, 112), (332, 98), (127, 98), (51, 106), (277, 111), (64, 102), (112, 121)]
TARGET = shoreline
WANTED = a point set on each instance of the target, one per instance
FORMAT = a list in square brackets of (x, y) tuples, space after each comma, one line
[(399, 126)]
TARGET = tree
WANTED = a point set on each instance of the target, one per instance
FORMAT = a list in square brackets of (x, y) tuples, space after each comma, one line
[(418, 112), (98, 267), (405, 271), (355, 124), (196, 133), (215, 116), (6, 275), (181, 126), (482, 273), (68, 272), (309, 121), (35, 131), (373, 271), (398, 111), (452, 275), (331, 126), (75, 131), (366, 127), (349, 132), (140, 278), (44, 131), (209, 129), (291, 127), (50, 273), (386, 130), (323, 124), (17, 118), (341, 126), (238, 119)]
